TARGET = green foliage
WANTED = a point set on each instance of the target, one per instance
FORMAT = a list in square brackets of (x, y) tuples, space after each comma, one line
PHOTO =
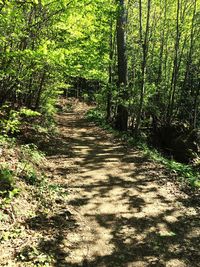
[(6, 180), (184, 172), (43, 42), (30, 176), (6, 141), (8, 190), (30, 253), (85, 97), (58, 190), (31, 154), (29, 112), (13, 193), (29, 159), (46, 44), (95, 115), (68, 107), (12, 120), (11, 125)]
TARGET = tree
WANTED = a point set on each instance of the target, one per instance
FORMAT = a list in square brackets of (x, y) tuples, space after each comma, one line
[(122, 113), (145, 45)]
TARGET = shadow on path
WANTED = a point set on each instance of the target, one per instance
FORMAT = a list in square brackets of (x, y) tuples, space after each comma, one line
[(125, 211)]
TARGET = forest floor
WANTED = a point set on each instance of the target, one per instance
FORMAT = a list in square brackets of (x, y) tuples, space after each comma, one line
[(112, 207)]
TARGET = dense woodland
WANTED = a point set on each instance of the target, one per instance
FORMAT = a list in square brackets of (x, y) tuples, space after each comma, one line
[(136, 63), (139, 60)]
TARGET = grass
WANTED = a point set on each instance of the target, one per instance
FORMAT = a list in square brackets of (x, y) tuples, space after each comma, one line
[(185, 173)]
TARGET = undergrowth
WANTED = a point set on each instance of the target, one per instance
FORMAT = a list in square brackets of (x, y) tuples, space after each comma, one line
[(17, 162), (185, 173)]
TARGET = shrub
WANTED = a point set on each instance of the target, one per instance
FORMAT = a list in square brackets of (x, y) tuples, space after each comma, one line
[(6, 180)]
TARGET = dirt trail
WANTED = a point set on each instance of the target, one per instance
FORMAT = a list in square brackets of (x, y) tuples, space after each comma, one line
[(102, 205), (121, 209)]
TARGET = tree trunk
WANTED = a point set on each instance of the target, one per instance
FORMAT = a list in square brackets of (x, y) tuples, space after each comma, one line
[(145, 47), (37, 103), (110, 73), (175, 68), (121, 122)]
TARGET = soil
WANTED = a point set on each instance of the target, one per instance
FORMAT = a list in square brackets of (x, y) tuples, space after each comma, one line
[(108, 206)]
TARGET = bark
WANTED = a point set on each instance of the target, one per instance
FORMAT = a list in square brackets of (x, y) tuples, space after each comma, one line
[(40, 90), (145, 47), (110, 80), (159, 78), (121, 122), (175, 68)]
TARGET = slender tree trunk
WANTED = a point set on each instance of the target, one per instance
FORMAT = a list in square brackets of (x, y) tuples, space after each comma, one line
[(175, 68), (189, 60), (110, 73), (121, 122), (145, 47), (188, 84), (195, 108), (159, 78), (37, 103)]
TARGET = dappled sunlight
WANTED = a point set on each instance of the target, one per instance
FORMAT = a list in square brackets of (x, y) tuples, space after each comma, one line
[(99, 133), (122, 210)]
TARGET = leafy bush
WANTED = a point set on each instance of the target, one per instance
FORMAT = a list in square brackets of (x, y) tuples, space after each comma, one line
[(95, 115), (31, 177), (11, 124), (30, 153), (6, 180), (30, 156), (8, 190), (29, 112)]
